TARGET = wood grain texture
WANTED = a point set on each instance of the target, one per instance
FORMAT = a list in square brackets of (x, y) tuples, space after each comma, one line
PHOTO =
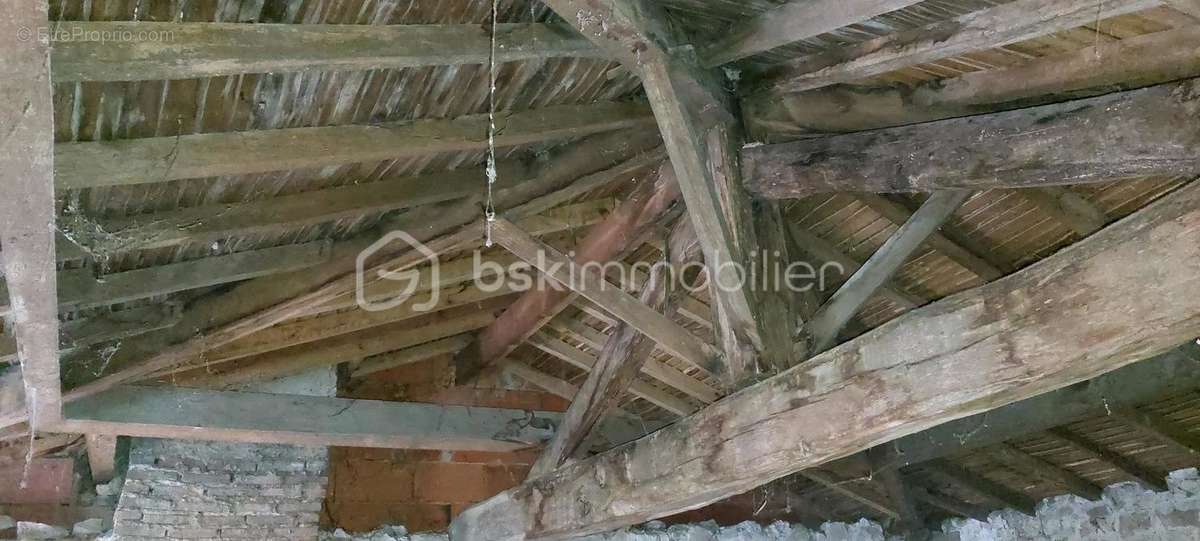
[(1150, 131), (1103, 303)]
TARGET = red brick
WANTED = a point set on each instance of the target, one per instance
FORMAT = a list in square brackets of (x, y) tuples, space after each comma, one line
[(452, 483), (372, 481), (501, 478), (364, 517), (49, 480), (527, 456)]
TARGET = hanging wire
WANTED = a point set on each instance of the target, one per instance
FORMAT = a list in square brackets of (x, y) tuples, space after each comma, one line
[(490, 208)]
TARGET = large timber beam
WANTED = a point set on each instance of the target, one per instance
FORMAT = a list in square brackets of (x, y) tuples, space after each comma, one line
[(794, 21), (192, 50), (195, 414), (695, 117), (979, 30), (1150, 131), (1103, 303), (623, 230), (161, 159), (27, 206), (1106, 67)]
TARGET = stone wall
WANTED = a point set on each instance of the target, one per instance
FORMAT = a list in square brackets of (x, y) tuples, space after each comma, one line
[(199, 490)]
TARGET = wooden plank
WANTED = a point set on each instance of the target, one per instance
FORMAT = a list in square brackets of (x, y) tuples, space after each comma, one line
[(105, 328), (881, 266), (416, 354), (161, 159), (623, 356), (970, 258), (209, 223), (1189, 7), (587, 362), (953, 506), (793, 21), (1082, 312), (622, 231), (196, 414), (149, 282), (672, 337), (1107, 66), (192, 50), (844, 488), (102, 456), (1064, 143), (1031, 465), (27, 208), (976, 31), (1151, 479)]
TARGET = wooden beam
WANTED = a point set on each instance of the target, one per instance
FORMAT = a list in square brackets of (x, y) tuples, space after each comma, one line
[(669, 335), (998, 494), (193, 50), (1189, 7), (1105, 67), (161, 159), (1031, 465), (1064, 143), (195, 414), (844, 488), (27, 228), (102, 456), (209, 223), (415, 354), (623, 230), (968, 257), (953, 506), (976, 31), (695, 117), (825, 252), (623, 356), (1082, 312), (793, 21), (882, 265), (78, 291), (1151, 479), (898, 490), (587, 362)]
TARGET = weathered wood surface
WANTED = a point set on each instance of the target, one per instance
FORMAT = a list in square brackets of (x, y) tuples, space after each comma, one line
[(1103, 303), (105, 327), (882, 265), (192, 50), (178, 413), (208, 223), (27, 206), (102, 456), (791, 22), (1155, 480), (161, 159), (671, 336), (1106, 67), (624, 354), (1151, 131), (979, 30), (622, 231)]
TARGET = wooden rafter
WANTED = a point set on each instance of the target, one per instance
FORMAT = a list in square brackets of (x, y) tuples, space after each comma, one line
[(161, 159), (215, 49), (1077, 314)]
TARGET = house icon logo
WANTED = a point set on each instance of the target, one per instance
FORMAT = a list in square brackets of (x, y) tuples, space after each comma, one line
[(377, 289)]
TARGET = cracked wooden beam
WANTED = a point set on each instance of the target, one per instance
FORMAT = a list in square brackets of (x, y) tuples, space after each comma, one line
[(1073, 316)]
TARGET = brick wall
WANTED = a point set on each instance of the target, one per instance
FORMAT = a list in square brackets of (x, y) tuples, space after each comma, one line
[(424, 490), (199, 490)]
